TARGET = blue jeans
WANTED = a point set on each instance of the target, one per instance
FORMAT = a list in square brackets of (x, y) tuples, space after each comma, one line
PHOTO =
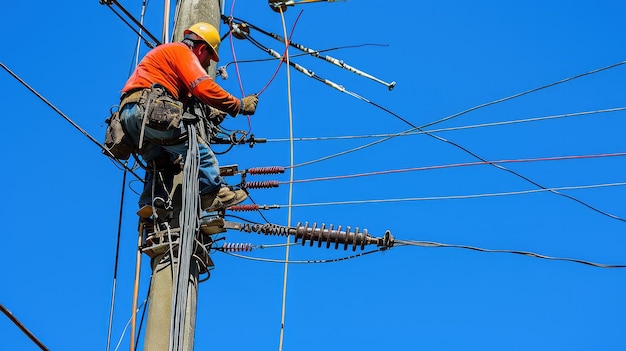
[(131, 117)]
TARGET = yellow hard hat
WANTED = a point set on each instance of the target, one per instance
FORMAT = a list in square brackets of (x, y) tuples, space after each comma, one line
[(209, 34)]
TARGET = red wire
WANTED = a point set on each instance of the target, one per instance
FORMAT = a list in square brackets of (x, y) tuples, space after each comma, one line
[(232, 46), (284, 53)]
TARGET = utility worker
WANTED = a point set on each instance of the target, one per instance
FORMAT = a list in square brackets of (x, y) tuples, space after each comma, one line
[(169, 75)]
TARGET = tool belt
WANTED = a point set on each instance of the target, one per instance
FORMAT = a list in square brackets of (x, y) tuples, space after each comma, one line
[(116, 142), (162, 111)]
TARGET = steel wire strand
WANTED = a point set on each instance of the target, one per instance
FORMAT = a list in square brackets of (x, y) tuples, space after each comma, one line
[(116, 262), (519, 175), (269, 59), (456, 197), (312, 75), (449, 129), (521, 94), (454, 165), (23, 328), (400, 243), (127, 325), (291, 177)]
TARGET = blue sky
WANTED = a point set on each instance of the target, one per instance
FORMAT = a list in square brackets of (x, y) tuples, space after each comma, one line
[(62, 196)]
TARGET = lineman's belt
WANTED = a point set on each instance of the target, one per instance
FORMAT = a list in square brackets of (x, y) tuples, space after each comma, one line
[(134, 96)]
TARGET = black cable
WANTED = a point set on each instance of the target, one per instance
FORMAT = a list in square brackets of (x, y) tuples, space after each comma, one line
[(527, 179), (143, 313), (149, 44), (115, 266), (302, 54), (67, 118), (521, 94), (516, 252), (129, 15), (21, 326), (259, 211), (303, 261)]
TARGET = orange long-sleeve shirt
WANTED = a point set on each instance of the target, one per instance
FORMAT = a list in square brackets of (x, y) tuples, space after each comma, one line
[(177, 68)]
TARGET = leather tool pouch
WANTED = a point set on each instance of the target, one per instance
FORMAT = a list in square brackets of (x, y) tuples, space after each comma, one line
[(116, 140), (163, 112)]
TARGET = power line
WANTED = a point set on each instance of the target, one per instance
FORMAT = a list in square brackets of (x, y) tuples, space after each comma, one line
[(32, 90), (453, 165), (333, 260), (21, 326), (515, 252), (461, 197), (311, 74), (473, 126), (521, 94), (402, 243)]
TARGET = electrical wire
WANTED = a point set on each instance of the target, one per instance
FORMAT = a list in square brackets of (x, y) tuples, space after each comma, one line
[(132, 18), (67, 119), (291, 177), (439, 138), (115, 266), (127, 325), (268, 59), (515, 252), (233, 52), (144, 7), (521, 94), (316, 53), (449, 129), (461, 197), (23, 328), (333, 260), (454, 165)]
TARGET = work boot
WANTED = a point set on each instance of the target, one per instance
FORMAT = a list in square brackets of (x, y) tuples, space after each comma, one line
[(212, 225), (223, 198), (160, 209)]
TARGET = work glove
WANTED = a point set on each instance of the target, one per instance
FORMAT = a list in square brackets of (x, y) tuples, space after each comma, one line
[(216, 116), (248, 105)]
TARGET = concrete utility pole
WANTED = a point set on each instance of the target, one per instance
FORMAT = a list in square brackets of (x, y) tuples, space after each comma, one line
[(158, 325)]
